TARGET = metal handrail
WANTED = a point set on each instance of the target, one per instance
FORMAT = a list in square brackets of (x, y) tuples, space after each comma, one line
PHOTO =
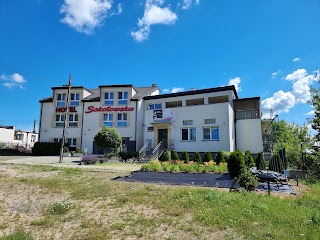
[(143, 151), (158, 150)]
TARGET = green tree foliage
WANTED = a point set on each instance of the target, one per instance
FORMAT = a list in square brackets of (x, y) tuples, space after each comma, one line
[(219, 158), (184, 156), (46, 149), (260, 163), (165, 156), (315, 102), (207, 157), (108, 137), (247, 180), (249, 159), (235, 163), (174, 155), (294, 138), (197, 157)]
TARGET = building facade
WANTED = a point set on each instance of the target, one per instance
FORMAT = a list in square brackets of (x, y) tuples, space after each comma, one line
[(210, 119), (12, 138)]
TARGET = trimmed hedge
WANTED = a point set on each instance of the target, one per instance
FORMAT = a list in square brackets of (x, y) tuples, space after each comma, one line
[(184, 156), (197, 157), (207, 157), (219, 158), (249, 159), (235, 163), (46, 149), (174, 155)]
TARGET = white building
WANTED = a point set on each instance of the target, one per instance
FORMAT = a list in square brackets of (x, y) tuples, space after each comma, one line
[(12, 138), (198, 120)]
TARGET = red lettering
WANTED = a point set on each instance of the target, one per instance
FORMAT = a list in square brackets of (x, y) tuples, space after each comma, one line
[(91, 109)]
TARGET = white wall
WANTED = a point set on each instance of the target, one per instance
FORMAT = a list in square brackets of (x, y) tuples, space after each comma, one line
[(219, 111), (249, 136), (6, 135)]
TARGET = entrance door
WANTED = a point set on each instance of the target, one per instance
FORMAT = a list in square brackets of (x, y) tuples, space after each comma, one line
[(162, 134)]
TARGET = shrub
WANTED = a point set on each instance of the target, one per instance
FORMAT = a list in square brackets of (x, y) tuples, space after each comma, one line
[(260, 163), (128, 155), (46, 149), (165, 156), (152, 166), (276, 164), (108, 137), (90, 159), (184, 156), (174, 155), (246, 179), (235, 163), (59, 207), (207, 157), (197, 157), (219, 158), (249, 159), (226, 155)]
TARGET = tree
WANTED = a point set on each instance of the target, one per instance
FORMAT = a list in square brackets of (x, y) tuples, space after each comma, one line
[(207, 157), (184, 156), (235, 163), (219, 158), (108, 137), (175, 155), (249, 159), (295, 139), (315, 102)]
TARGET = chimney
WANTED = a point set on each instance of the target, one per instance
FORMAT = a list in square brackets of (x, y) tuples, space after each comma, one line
[(192, 89), (154, 85)]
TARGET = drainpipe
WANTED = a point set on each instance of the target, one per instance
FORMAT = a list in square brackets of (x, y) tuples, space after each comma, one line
[(235, 123), (136, 126), (39, 131)]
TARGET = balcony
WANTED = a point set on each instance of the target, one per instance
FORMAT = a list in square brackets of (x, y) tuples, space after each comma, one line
[(247, 114)]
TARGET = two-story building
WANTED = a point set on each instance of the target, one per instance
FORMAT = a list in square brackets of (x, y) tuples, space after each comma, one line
[(203, 120)]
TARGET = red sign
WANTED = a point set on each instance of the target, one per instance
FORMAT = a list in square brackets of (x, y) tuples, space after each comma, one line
[(109, 109), (63, 109)]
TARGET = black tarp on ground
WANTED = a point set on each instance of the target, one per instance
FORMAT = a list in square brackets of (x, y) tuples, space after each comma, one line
[(196, 179)]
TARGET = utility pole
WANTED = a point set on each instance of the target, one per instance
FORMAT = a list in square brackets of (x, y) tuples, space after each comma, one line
[(65, 124), (34, 126)]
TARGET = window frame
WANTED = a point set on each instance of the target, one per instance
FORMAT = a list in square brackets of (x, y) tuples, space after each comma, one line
[(121, 99), (73, 121), (153, 106), (109, 121), (61, 100), (73, 142), (189, 132), (109, 100), (75, 102), (187, 122), (123, 120), (60, 121), (211, 134)]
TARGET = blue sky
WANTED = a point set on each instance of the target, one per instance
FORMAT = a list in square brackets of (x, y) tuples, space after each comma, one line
[(266, 48)]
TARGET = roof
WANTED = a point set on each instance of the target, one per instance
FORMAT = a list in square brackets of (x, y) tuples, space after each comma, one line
[(194, 92), (66, 87), (143, 91), (251, 98), (116, 85), (94, 97), (47, 99), (7, 127)]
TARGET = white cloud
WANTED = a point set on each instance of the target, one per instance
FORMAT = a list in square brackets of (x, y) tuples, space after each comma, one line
[(166, 90), (284, 101), (12, 81), (298, 74), (296, 60), (273, 75), (154, 14), (177, 89), (235, 82), (186, 4), (279, 102), (311, 113), (85, 15)]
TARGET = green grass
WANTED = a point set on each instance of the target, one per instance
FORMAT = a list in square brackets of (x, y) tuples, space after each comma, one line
[(18, 234), (105, 209)]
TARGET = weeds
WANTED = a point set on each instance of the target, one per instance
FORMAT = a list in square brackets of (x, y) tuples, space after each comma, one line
[(60, 207)]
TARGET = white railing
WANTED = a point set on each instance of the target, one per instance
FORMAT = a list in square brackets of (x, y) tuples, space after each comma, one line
[(15, 145), (143, 151), (159, 149)]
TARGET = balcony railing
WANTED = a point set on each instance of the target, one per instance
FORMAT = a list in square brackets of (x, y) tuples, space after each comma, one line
[(247, 114)]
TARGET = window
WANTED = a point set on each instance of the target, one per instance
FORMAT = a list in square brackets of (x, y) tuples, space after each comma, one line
[(19, 136), (61, 100), (33, 138), (72, 142), (188, 134), (108, 98), (108, 119), (187, 122), (122, 120), (210, 121), (211, 133), (56, 140), (123, 97), (59, 120), (73, 120), (75, 99), (154, 106)]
